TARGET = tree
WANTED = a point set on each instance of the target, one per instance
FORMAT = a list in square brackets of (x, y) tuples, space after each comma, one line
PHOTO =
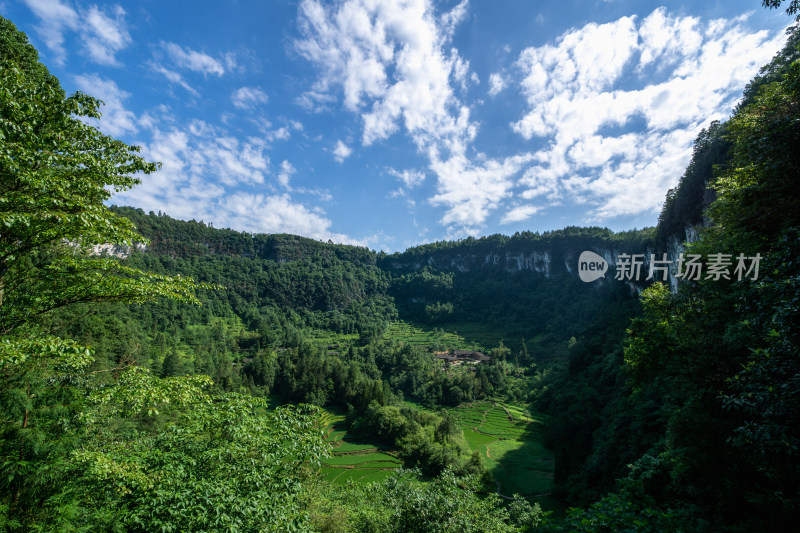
[(404, 503), (172, 363), (224, 463), (55, 173), (791, 9), (724, 351)]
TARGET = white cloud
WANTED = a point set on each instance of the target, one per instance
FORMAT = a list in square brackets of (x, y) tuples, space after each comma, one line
[(103, 32), (608, 100), (496, 84), (208, 175), (279, 134), (234, 162), (249, 97), (323, 194), (395, 67), (451, 19), (462, 73), (196, 61), (315, 101), (341, 151), (409, 178), (387, 54), (520, 213), (286, 172), (472, 189), (173, 77), (184, 58), (107, 36), (116, 120), (585, 89), (55, 18), (259, 213)]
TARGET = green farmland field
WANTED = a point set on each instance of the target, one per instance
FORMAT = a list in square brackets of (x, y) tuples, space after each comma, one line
[(510, 443), (359, 461), (448, 336), (508, 438)]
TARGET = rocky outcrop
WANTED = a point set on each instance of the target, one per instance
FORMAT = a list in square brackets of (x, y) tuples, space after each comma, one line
[(117, 250)]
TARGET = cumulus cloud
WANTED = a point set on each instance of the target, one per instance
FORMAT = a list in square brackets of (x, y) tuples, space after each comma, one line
[(233, 161), (587, 89), (496, 84), (341, 151), (473, 189), (249, 97), (278, 134), (390, 61), (208, 175), (260, 213), (103, 32), (409, 178), (107, 34), (393, 64)]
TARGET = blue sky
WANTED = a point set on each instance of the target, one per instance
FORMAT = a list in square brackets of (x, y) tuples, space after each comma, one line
[(394, 123)]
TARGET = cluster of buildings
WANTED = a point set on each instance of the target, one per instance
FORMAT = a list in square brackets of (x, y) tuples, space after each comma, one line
[(461, 357)]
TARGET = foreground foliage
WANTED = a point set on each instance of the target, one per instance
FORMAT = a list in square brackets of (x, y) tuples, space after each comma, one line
[(405, 503), (88, 449)]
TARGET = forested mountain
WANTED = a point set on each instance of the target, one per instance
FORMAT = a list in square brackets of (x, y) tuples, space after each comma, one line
[(685, 205), (128, 406), (526, 285), (691, 411)]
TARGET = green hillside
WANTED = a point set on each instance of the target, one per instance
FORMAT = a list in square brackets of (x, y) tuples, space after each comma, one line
[(214, 380)]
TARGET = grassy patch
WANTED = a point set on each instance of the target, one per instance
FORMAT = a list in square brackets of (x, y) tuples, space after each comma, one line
[(477, 440), (508, 437), (477, 334), (374, 475), (428, 337), (334, 342), (348, 446), (351, 459), (363, 459), (419, 407), (509, 440)]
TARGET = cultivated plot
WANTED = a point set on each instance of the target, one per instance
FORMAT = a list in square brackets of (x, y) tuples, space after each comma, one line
[(510, 442), (359, 461)]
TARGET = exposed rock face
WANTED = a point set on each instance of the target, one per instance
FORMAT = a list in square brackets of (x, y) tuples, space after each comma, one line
[(545, 262), (675, 247), (558, 257), (536, 261), (117, 250)]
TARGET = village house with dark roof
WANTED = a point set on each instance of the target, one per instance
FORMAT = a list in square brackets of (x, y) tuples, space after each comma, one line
[(459, 357)]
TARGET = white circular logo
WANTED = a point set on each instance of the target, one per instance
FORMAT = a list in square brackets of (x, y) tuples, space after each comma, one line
[(591, 266)]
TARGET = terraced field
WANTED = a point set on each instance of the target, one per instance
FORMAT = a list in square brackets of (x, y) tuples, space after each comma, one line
[(329, 339), (427, 337), (508, 439), (510, 443), (358, 461)]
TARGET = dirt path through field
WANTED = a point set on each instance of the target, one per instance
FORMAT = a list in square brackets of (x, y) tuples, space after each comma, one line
[(502, 495)]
